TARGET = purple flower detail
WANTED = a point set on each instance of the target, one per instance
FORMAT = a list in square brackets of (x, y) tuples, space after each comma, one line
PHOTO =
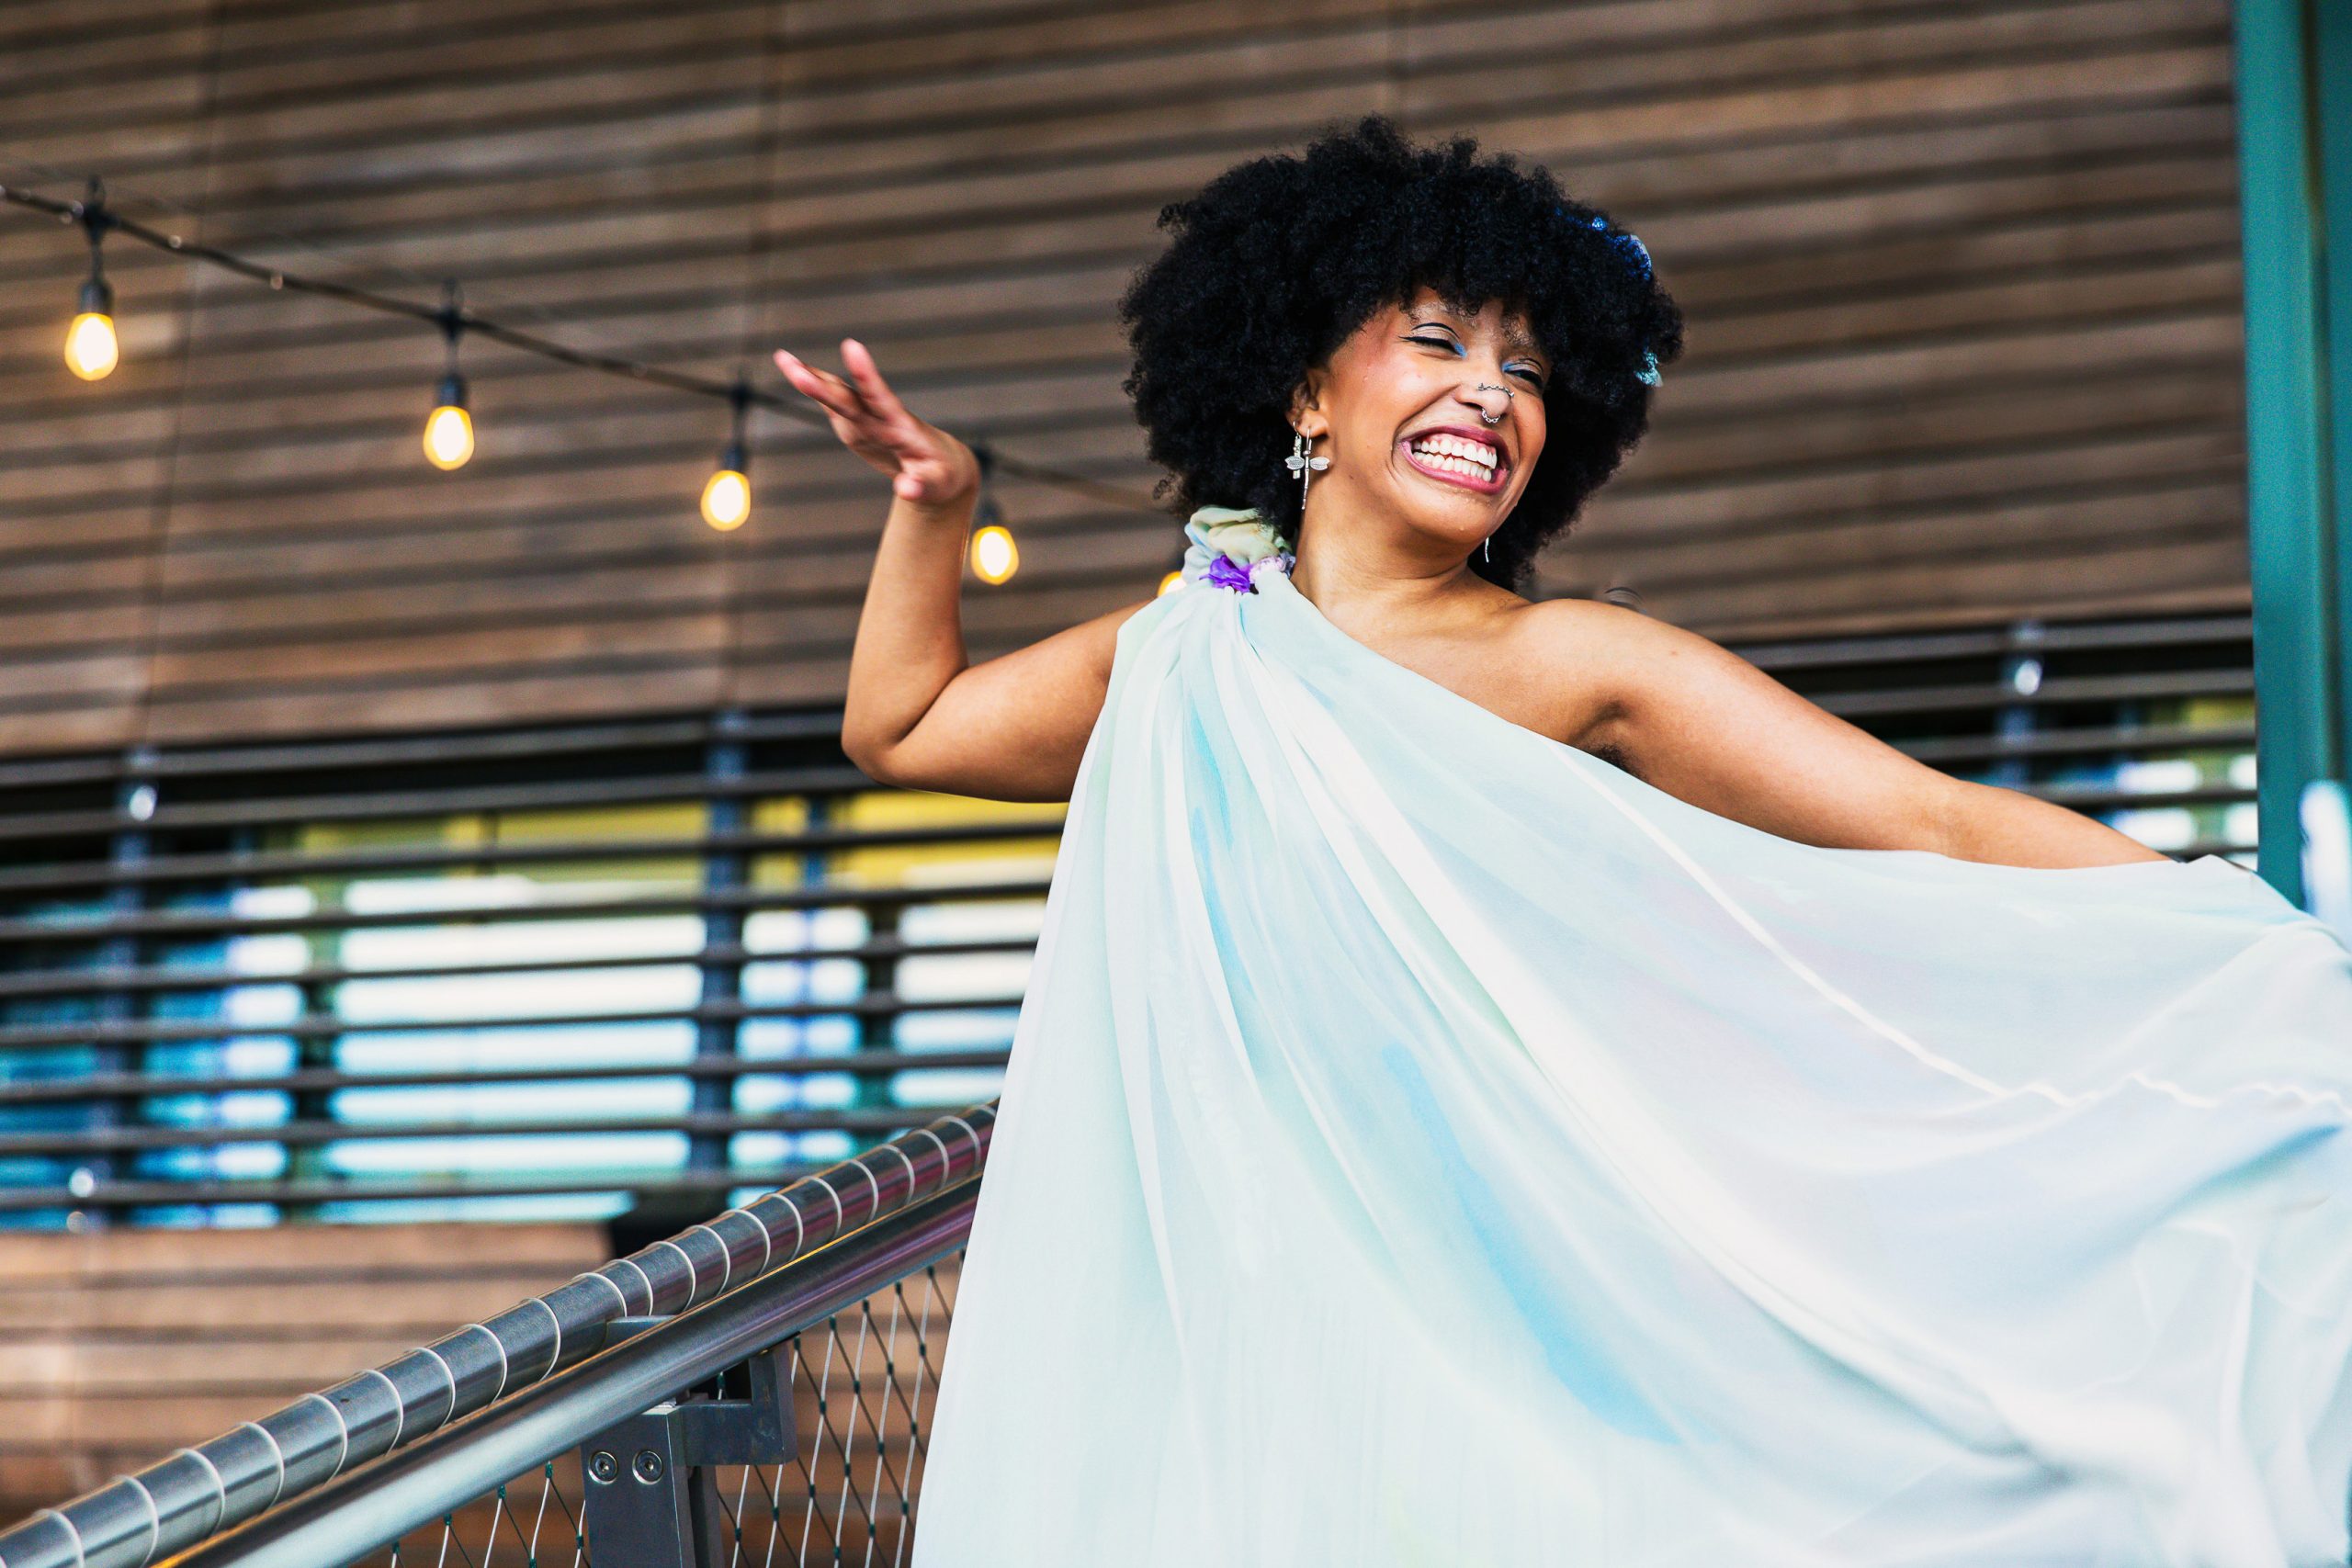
[(1227, 573)]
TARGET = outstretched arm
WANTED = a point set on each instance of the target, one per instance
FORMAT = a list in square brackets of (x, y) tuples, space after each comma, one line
[(917, 713), (1705, 725)]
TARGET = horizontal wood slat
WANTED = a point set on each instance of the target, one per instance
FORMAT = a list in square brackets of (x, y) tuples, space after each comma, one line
[(1963, 284), (119, 1346)]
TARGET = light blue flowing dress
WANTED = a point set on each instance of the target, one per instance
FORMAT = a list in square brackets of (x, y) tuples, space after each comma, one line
[(1426, 1143)]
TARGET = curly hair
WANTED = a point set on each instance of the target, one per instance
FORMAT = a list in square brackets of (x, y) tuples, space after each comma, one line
[(1278, 260)]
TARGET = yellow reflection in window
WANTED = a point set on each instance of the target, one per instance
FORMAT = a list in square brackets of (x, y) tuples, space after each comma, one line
[(658, 822), (915, 864)]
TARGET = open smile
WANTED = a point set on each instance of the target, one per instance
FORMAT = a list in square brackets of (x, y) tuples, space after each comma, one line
[(1472, 463)]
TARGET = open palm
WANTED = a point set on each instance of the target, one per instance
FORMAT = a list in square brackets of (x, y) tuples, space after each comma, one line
[(926, 465)]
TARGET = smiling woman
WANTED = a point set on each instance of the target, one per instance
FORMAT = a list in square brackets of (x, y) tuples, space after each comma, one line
[(1417, 272), (1423, 1143)]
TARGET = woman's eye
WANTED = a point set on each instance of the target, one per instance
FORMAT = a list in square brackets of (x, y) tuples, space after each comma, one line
[(1535, 379)]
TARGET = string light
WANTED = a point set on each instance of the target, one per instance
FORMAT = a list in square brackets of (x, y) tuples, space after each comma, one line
[(994, 555), (449, 429), (92, 350), (726, 498), (449, 432)]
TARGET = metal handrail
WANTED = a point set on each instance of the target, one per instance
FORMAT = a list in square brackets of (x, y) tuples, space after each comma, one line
[(259, 1466), (370, 1509)]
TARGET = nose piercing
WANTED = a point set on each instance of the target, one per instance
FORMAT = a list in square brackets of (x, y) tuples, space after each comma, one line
[(1507, 395)]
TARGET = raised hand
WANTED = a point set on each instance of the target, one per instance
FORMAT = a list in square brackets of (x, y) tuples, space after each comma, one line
[(927, 466)]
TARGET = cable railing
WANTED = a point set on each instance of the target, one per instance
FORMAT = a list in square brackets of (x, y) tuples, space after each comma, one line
[(668, 1410), (653, 964)]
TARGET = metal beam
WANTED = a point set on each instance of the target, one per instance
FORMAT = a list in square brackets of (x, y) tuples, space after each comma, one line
[(2294, 114)]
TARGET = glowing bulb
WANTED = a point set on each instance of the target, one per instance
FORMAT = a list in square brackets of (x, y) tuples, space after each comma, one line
[(91, 350), (1167, 583), (449, 437), (994, 557), (726, 501)]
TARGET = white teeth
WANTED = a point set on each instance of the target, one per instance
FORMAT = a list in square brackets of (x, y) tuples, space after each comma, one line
[(1462, 466), (1482, 458), (1451, 454)]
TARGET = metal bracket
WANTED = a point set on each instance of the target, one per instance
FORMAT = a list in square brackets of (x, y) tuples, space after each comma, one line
[(650, 1500)]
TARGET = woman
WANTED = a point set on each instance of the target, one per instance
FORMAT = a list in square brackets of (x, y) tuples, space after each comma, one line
[(1427, 1143)]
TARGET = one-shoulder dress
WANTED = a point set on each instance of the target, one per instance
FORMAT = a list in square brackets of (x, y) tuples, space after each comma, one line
[(1424, 1142)]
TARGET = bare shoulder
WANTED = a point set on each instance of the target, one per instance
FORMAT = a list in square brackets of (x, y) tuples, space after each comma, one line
[(1635, 677), (1585, 654), (1618, 653), (1605, 647)]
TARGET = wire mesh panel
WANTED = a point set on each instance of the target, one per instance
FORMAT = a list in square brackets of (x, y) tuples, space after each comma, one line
[(532, 1519), (863, 1385)]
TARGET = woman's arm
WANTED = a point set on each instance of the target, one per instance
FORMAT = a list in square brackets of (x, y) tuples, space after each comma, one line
[(917, 713), (1703, 724)]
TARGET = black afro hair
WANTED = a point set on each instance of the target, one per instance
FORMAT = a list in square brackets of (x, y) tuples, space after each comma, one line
[(1278, 260)]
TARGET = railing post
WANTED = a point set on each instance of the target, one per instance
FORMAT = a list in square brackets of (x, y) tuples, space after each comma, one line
[(650, 1499)]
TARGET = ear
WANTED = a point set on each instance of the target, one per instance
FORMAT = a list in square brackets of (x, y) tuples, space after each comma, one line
[(1305, 412)]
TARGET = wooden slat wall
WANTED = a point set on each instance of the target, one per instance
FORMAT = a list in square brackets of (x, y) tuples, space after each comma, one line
[(1961, 281), (118, 1346)]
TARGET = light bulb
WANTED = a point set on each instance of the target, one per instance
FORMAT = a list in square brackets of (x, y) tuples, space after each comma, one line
[(994, 556), (91, 350), (726, 499), (449, 437)]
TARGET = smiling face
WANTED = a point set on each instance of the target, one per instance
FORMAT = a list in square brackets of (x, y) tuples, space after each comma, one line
[(1401, 412)]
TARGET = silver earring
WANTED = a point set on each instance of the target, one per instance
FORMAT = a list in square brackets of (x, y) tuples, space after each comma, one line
[(1487, 549), (1300, 463)]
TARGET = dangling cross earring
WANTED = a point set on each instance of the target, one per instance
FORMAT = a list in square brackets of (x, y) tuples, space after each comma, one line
[(1300, 463)]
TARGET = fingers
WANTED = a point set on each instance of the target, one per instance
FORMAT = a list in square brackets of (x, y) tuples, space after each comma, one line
[(867, 415), (868, 375), (821, 387), (825, 387)]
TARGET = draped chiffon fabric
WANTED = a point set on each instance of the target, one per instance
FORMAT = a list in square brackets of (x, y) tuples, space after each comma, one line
[(1424, 1142)]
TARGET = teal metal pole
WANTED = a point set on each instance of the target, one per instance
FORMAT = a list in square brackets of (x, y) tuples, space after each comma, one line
[(2287, 109), (2331, 80)]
